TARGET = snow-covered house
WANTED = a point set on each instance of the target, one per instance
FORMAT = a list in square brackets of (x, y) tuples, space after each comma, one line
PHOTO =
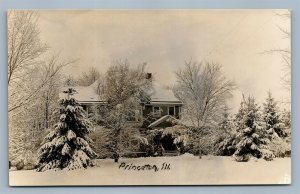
[(162, 103), (86, 96)]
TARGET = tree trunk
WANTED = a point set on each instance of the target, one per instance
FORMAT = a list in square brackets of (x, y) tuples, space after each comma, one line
[(47, 112), (116, 154)]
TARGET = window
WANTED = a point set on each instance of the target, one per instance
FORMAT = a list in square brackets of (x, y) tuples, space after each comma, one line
[(84, 107), (172, 111), (156, 111)]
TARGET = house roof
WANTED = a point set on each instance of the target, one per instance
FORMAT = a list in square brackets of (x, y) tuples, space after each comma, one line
[(88, 94), (162, 94), (84, 94)]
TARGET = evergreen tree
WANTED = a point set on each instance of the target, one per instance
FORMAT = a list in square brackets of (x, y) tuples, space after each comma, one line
[(67, 145), (227, 130), (226, 124), (251, 139), (286, 119), (272, 118)]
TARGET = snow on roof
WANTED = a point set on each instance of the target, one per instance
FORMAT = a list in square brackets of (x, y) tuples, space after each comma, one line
[(161, 94), (84, 94), (89, 95)]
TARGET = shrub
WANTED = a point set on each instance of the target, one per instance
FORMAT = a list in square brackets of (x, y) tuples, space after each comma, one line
[(225, 146)]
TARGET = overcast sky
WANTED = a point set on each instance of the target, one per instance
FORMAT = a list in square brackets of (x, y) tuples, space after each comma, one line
[(166, 39)]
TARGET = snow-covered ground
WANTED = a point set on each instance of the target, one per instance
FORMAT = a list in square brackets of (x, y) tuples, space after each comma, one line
[(186, 169)]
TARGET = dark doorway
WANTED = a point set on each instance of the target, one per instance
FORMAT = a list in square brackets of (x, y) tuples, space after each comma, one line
[(167, 143), (172, 111)]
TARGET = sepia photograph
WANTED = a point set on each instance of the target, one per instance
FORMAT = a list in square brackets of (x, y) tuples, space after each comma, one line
[(149, 97)]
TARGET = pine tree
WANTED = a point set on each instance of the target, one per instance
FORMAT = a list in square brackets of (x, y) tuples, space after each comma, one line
[(286, 119), (67, 145), (251, 139), (272, 118), (226, 124), (224, 145)]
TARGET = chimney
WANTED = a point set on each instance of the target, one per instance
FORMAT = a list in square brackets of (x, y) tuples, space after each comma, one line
[(148, 75)]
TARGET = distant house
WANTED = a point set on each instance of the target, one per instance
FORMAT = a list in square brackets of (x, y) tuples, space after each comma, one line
[(87, 96), (162, 103)]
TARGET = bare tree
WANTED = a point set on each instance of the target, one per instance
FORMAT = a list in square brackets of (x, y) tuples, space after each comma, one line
[(49, 94), (29, 86), (125, 88), (33, 82), (285, 53), (24, 43), (24, 50), (124, 82), (70, 81), (89, 77), (30, 105), (203, 89)]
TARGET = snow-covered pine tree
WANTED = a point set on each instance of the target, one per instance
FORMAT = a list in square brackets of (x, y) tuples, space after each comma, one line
[(251, 139), (286, 119), (67, 144), (272, 118), (226, 136), (226, 125)]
